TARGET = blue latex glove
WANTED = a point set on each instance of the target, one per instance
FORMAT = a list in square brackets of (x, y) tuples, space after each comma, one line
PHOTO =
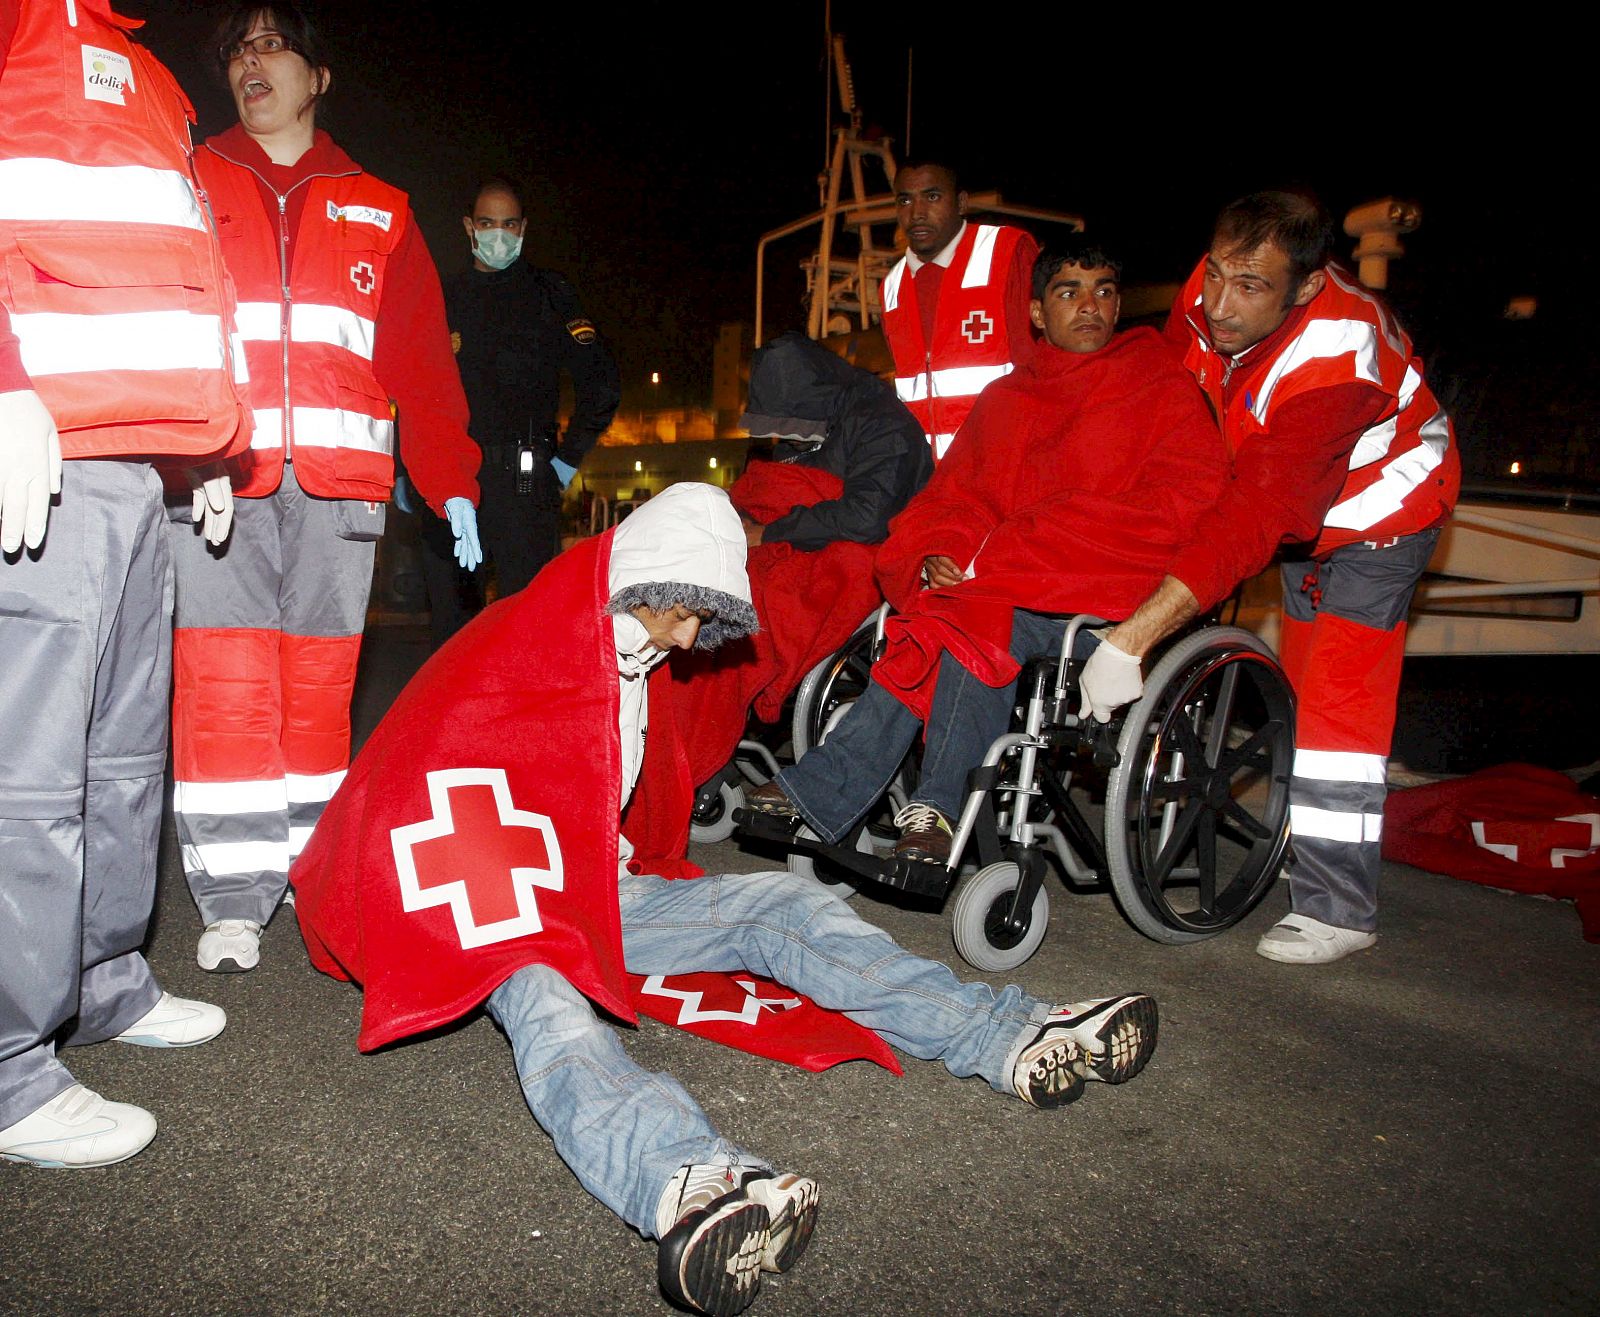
[(464, 526), (402, 495), (563, 472)]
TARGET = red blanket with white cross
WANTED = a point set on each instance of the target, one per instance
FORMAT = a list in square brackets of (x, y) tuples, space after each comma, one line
[(476, 833), (1515, 826)]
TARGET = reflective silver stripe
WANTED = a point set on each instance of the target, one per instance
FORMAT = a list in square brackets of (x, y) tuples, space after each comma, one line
[(334, 427), (305, 787), (56, 190), (262, 797), (1334, 825), (259, 322), (298, 839), (58, 344), (237, 857), (952, 382), (890, 291), (1387, 494), (241, 368), (310, 322), (977, 272), (1320, 339), (269, 428), (1386, 322), (1339, 766)]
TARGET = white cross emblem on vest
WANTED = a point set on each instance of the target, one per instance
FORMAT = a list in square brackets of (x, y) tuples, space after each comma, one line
[(363, 276), (977, 327)]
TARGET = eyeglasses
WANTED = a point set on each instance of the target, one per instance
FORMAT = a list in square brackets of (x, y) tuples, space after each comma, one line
[(265, 43)]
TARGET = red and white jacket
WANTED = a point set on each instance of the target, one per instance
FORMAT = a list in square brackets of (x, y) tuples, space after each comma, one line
[(1334, 434), (318, 262), (972, 332), (109, 268)]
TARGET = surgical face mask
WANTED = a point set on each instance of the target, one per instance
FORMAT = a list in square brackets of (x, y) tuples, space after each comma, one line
[(496, 248)]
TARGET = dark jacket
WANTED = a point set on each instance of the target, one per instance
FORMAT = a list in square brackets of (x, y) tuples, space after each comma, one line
[(831, 415), (515, 330)]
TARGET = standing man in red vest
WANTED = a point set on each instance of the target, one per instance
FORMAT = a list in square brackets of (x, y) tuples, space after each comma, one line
[(1345, 461), (955, 306), (116, 353), (341, 311)]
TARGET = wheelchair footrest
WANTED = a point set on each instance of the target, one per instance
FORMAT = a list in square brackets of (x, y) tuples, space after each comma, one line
[(915, 876)]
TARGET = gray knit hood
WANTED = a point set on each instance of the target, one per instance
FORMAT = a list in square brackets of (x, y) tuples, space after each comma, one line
[(685, 546)]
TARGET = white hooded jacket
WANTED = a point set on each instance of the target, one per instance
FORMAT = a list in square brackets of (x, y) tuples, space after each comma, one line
[(685, 546)]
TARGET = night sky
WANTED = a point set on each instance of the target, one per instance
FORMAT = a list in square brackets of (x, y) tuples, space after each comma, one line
[(659, 141)]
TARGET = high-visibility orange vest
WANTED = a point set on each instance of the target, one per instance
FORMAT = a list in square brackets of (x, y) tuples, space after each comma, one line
[(1405, 470), (940, 381), (108, 259), (309, 331)]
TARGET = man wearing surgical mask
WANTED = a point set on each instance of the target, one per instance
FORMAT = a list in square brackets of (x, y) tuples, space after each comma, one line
[(515, 328)]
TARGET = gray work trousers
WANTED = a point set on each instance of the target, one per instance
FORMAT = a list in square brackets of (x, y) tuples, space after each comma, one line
[(86, 635)]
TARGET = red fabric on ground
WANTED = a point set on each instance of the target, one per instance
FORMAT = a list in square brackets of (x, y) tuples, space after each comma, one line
[(1069, 489), (1547, 833)]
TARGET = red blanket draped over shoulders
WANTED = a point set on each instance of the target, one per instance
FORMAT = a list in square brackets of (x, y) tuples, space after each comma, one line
[(1068, 490), (807, 603)]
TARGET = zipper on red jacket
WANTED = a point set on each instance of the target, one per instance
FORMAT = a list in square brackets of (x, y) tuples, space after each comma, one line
[(287, 308), (927, 373)]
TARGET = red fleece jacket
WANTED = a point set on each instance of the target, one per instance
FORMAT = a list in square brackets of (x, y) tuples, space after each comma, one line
[(1069, 489)]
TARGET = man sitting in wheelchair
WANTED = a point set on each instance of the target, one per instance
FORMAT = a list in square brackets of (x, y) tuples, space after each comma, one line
[(1068, 490)]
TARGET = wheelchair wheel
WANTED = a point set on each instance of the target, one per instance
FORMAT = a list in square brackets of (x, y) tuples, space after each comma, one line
[(824, 871), (712, 819), (829, 688), (980, 910), (823, 697), (1197, 809)]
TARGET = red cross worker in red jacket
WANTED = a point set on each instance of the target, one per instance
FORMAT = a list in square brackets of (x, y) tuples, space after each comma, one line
[(1345, 464), (343, 324)]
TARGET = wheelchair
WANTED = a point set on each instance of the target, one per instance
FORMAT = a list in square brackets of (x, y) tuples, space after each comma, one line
[(1180, 804)]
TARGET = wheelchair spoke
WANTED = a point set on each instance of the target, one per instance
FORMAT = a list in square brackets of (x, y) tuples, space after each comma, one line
[(1182, 833), (1222, 715), (1253, 753), (1257, 830), (1207, 860)]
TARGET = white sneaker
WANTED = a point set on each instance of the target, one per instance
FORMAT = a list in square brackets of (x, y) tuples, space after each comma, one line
[(78, 1128), (1302, 940), (721, 1225), (230, 946), (175, 1022)]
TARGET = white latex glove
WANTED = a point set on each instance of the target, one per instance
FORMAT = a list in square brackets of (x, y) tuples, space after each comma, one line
[(1109, 680), (213, 500), (464, 526), (30, 469)]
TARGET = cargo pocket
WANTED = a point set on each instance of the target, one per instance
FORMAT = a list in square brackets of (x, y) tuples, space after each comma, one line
[(356, 519)]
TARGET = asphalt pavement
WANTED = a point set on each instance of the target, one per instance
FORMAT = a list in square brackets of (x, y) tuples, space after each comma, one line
[(1409, 1130)]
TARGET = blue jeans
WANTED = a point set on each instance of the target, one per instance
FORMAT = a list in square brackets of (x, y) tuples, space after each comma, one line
[(624, 1132), (837, 782)]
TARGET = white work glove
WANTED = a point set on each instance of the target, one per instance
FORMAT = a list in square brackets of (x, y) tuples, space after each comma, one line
[(464, 526), (1109, 680), (213, 500), (30, 469)]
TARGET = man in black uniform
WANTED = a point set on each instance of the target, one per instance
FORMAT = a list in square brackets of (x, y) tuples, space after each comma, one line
[(514, 328)]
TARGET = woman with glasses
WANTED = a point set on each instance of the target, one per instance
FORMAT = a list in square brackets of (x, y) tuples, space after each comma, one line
[(343, 325)]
